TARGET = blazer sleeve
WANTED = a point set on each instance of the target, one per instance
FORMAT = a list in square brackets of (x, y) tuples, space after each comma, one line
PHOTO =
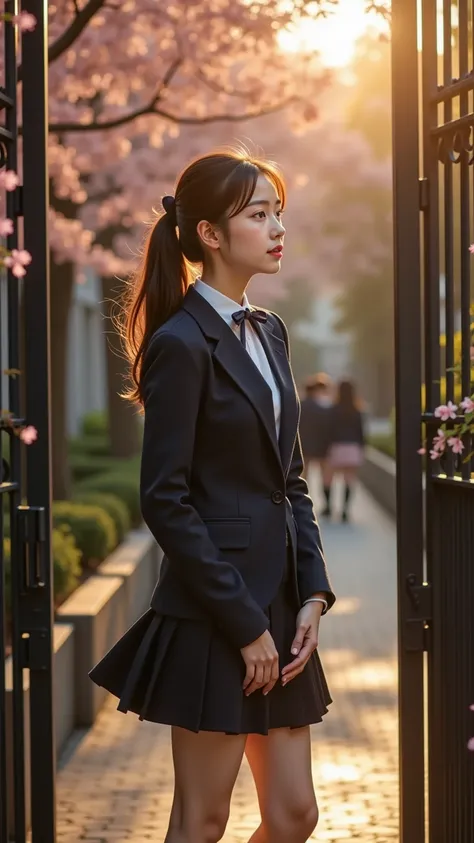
[(310, 562), (173, 379)]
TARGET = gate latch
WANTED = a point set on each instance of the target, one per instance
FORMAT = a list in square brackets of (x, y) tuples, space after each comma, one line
[(418, 618), (32, 537)]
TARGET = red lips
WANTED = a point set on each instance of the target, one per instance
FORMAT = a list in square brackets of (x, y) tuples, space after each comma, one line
[(277, 251)]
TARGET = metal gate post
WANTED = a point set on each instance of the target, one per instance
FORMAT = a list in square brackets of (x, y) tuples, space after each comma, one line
[(38, 610), (408, 413)]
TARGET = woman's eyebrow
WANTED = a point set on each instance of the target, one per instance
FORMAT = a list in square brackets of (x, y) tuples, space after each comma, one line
[(262, 202)]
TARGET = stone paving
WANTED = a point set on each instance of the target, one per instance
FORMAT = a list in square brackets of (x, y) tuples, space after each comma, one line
[(116, 781)]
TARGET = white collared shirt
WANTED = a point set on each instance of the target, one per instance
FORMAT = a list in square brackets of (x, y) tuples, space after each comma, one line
[(225, 308)]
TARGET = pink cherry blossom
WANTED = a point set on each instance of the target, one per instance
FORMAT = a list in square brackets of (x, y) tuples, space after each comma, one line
[(29, 434), (9, 180), (471, 248), (456, 444), (470, 744), (421, 451), (6, 227), (446, 411), (17, 261), (467, 405), (25, 21)]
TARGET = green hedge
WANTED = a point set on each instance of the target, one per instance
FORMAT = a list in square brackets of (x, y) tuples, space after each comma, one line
[(87, 465), (95, 423), (124, 482), (97, 444), (384, 442), (92, 527), (66, 565), (113, 505)]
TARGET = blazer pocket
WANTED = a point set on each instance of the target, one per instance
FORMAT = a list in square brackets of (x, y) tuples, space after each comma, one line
[(229, 533)]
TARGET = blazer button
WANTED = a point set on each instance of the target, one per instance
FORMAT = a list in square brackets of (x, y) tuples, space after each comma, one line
[(278, 497)]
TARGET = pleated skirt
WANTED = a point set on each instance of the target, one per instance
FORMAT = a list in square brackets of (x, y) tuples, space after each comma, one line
[(185, 673)]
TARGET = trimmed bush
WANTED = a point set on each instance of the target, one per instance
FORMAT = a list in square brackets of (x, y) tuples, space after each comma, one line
[(95, 422), (113, 505), (97, 444), (92, 528), (384, 442), (66, 565), (123, 483), (87, 465)]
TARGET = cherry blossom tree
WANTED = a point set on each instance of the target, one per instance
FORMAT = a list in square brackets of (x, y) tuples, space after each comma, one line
[(124, 79)]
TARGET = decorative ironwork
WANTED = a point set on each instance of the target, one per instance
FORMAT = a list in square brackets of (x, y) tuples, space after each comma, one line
[(433, 126)]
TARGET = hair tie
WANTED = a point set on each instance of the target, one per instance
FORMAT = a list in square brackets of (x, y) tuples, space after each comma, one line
[(169, 205)]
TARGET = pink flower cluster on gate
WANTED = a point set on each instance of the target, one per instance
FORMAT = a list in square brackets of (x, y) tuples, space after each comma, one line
[(452, 438)]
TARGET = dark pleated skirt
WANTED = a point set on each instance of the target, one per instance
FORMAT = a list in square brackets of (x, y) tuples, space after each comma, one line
[(185, 673)]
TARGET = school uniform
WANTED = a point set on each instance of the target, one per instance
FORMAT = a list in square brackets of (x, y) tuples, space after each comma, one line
[(221, 491), (314, 429), (347, 438)]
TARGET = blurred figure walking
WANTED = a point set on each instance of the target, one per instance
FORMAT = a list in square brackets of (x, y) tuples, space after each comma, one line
[(346, 451), (315, 430)]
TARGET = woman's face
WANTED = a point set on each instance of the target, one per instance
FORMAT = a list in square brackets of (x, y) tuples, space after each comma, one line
[(254, 241)]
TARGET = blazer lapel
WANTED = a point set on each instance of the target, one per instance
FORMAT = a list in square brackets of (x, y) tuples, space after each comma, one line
[(231, 355), (277, 357)]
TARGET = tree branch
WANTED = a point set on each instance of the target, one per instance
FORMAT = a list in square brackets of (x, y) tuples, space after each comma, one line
[(57, 128), (67, 38)]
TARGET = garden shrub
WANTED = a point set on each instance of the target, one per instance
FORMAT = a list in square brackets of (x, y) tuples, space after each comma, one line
[(96, 444), (92, 528), (124, 482), (66, 565), (87, 465), (94, 423), (113, 505)]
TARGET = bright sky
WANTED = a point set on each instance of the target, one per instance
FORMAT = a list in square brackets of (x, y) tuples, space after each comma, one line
[(335, 36)]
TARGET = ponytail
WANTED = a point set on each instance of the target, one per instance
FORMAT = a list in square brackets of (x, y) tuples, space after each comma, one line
[(155, 292)]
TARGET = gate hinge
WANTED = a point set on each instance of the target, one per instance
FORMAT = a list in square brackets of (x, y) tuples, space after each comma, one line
[(32, 538), (35, 650), (418, 619), (423, 193)]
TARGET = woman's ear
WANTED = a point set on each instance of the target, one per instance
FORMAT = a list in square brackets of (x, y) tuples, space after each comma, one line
[(208, 235)]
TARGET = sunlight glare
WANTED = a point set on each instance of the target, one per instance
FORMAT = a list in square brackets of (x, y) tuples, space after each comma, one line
[(333, 37)]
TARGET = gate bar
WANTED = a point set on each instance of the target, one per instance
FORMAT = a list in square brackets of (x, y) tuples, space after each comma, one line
[(408, 407), (38, 616)]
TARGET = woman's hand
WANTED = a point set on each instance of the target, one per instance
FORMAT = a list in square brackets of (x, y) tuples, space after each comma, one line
[(305, 641), (261, 661)]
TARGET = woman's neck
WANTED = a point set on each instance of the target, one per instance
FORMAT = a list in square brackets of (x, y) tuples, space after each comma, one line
[(227, 283)]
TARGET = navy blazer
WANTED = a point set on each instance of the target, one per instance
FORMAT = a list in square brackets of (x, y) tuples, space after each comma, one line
[(218, 490)]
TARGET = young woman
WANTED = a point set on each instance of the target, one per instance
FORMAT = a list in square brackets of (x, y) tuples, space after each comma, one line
[(346, 453), (315, 431), (227, 652)]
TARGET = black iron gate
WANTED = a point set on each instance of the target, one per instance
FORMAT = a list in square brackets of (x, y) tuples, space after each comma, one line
[(433, 134), (27, 757)]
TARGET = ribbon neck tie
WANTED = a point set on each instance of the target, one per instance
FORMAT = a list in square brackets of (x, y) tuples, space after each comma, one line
[(241, 316)]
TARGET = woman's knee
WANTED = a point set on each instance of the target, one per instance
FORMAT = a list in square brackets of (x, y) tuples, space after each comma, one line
[(203, 826), (295, 822)]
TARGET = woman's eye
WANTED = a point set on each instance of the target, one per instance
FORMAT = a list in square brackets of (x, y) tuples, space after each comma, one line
[(260, 215)]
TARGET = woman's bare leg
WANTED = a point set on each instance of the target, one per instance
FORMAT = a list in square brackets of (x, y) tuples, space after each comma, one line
[(281, 767), (350, 475), (206, 765)]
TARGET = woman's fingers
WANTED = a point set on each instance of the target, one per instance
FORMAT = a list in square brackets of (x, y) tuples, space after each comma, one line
[(274, 676), (257, 680), (249, 674), (298, 664)]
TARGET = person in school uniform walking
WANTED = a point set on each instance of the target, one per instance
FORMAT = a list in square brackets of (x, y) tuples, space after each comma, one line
[(346, 452), (227, 652), (315, 431)]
